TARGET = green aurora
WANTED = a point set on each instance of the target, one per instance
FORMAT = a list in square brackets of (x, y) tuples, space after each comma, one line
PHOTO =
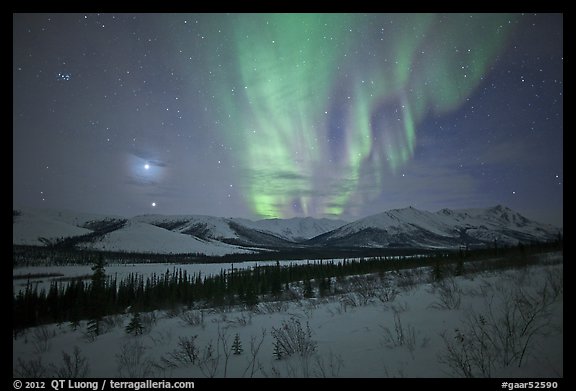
[(303, 92)]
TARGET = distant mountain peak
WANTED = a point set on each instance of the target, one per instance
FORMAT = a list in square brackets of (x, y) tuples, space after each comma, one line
[(445, 228), (500, 208)]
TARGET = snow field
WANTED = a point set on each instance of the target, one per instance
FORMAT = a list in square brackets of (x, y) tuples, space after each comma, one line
[(370, 329)]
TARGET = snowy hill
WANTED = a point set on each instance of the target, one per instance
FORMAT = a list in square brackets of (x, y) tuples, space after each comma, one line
[(410, 227), (204, 227), (35, 227), (142, 237)]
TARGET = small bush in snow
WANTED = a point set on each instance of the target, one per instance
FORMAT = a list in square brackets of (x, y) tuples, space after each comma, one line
[(30, 369), (366, 287), (271, 307), (188, 351), (132, 360), (148, 320), (41, 339), (406, 280), (73, 366), (449, 294), (386, 293), (291, 338), (242, 320), (209, 360), (193, 318), (327, 368), (555, 282), (186, 354), (400, 336), (112, 321), (501, 334)]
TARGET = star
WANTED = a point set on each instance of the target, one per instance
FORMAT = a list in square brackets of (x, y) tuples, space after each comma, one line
[(64, 76)]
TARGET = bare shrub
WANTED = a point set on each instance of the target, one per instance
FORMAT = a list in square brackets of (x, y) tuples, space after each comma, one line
[(466, 356), (241, 320), (186, 354), (193, 318), (148, 320), (327, 368), (73, 365), (132, 360), (308, 366), (406, 280), (386, 293), (30, 369), (398, 308), (349, 300), (272, 307), (173, 312), (502, 333), (255, 345), (365, 286), (224, 341), (209, 360), (449, 294), (400, 335), (161, 338), (293, 294), (112, 321), (291, 338), (555, 281), (483, 289), (399, 373), (41, 339)]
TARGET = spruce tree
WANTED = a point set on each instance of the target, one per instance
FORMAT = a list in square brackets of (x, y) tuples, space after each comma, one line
[(324, 286), (277, 351), (237, 345), (135, 326), (437, 274), (97, 297), (308, 290)]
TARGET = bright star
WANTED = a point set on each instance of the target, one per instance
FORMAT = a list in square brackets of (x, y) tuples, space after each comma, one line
[(146, 166)]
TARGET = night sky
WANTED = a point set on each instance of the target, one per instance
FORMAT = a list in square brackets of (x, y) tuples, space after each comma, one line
[(284, 115)]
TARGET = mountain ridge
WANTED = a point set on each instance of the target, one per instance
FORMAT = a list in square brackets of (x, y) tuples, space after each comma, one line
[(404, 227)]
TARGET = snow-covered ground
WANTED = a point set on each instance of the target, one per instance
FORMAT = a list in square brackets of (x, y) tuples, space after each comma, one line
[(401, 326)]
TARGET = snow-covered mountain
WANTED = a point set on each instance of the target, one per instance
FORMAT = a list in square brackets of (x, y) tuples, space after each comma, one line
[(296, 229), (408, 227)]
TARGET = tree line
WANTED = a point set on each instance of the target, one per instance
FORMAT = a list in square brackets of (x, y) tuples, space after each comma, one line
[(107, 295)]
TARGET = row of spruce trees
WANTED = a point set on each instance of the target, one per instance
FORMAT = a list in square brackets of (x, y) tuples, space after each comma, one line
[(106, 295)]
